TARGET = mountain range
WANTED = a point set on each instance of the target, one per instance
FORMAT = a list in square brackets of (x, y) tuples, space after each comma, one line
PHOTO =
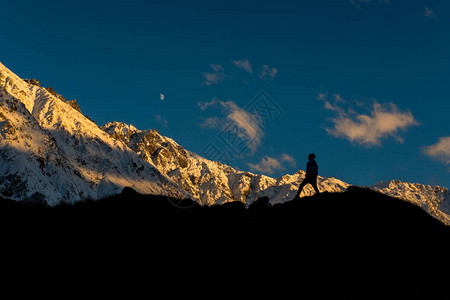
[(51, 153)]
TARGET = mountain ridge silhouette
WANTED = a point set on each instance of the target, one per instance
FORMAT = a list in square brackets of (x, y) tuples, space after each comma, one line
[(338, 243)]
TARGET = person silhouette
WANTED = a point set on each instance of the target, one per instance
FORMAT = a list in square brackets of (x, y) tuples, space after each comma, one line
[(312, 171)]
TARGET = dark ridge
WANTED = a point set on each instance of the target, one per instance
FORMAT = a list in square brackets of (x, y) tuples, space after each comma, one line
[(33, 82), (357, 243)]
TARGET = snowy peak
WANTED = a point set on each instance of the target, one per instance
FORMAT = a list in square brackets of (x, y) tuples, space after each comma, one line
[(51, 150), (163, 152), (210, 182), (32, 166), (120, 131), (434, 199), (17, 88)]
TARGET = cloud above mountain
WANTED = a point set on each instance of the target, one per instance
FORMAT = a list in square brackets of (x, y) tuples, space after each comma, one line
[(268, 165), (367, 129), (440, 150), (237, 120)]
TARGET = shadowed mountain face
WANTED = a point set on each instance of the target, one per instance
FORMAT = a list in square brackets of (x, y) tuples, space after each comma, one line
[(359, 243)]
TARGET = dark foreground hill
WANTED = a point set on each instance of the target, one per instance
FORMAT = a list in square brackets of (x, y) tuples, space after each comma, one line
[(358, 243)]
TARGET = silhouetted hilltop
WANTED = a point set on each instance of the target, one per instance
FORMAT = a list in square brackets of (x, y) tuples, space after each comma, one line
[(356, 242)]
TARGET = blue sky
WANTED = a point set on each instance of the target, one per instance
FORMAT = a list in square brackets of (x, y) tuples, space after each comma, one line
[(362, 83)]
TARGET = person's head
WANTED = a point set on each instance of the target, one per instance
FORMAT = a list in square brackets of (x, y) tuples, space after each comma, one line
[(311, 156)]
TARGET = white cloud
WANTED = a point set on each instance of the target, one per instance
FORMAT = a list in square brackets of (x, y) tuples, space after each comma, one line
[(245, 121), (440, 150), (429, 13), (251, 131), (244, 64), (338, 98), (268, 165), (268, 72), (335, 106), (368, 129), (214, 77), (322, 96), (161, 120), (212, 122), (204, 105), (216, 68), (289, 159)]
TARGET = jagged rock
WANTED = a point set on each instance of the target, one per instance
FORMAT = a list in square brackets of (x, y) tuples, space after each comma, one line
[(207, 181), (73, 103), (33, 82), (54, 93)]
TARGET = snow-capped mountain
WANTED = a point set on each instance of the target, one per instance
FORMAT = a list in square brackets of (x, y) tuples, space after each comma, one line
[(211, 182), (51, 152), (433, 199)]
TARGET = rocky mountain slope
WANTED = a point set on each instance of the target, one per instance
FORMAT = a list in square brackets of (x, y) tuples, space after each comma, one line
[(211, 182), (50, 152)]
